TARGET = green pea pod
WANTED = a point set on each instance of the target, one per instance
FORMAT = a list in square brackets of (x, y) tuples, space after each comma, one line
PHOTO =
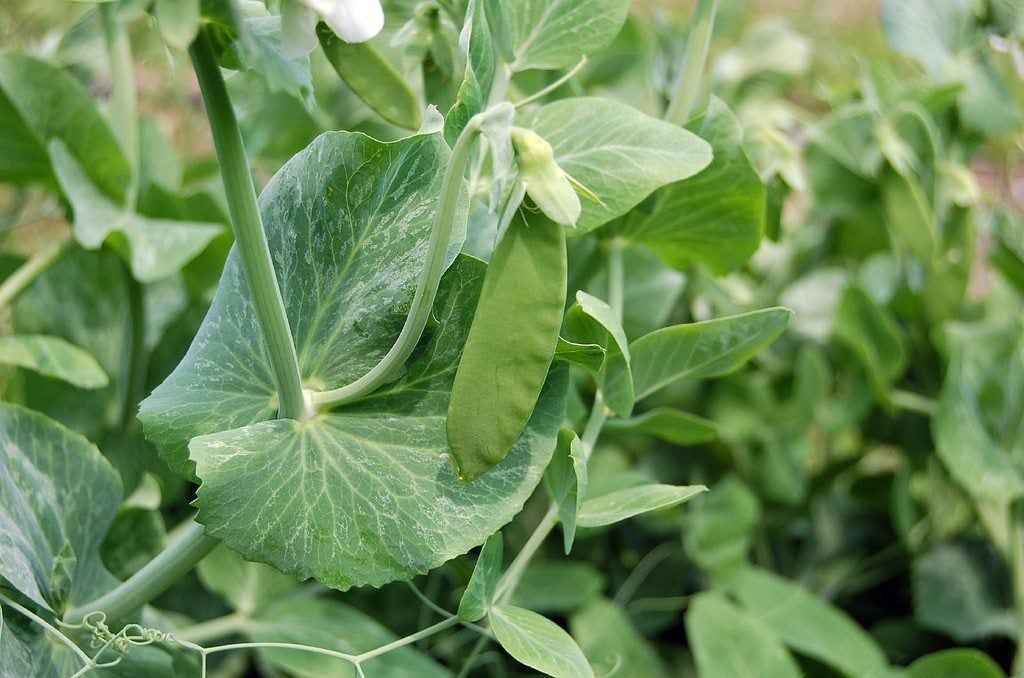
[(510, 346), (373, 79)]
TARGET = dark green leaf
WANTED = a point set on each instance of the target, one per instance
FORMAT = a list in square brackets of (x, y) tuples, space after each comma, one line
[(566, 481)]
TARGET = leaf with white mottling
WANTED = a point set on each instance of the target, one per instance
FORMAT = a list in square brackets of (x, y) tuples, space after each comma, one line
[(558, 33)]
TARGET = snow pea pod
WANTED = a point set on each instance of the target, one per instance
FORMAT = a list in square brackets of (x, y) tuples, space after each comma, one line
[(510, 347)]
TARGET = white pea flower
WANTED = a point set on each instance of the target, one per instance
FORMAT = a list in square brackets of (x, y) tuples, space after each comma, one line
[(351, 20)]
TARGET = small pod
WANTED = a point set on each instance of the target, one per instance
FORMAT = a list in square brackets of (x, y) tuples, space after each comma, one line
[(373, 79), (510, 347)]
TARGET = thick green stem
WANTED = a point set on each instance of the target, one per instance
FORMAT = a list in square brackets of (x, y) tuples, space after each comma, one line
[(123, 100), (691, 74), (250, 238), (153, 579), (426, 289), (26, 274)]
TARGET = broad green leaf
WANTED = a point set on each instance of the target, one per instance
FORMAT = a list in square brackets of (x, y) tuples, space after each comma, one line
[(557, 586), (53, 357), (727, 643), (721, 527), (594, 320), (873, 336), (365, 495), (249, 587), (672, 426), (501, 373), (715, 218), (157, 247), (611, 643), (558, 33), (958, 662), (931, 31), (482, 584), (83, 299), (333, 625), (347, 221), (587, 356), (479, 76), (538, 642), (40, 103), (702, 350), (962, 590), (178, 21), (57, 498), (622, 504), (974, 459), (808, 624), (372, 77), (566, 481), (589, 135)]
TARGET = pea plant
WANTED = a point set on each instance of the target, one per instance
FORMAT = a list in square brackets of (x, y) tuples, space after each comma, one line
[(406, 338)]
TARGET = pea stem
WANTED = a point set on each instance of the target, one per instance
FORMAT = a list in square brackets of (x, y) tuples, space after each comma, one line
[(27, 273), (426, 288), (247, 224), (153, 579), (691, 73)]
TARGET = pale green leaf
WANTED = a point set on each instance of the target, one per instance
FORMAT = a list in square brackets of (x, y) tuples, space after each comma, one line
[(57, 498), (960, 662), (591, 319), (333, 625), (157, 247), (566, 481), (587, 356), (249, 587), (178, 21), (702, 350), (558, 33), (807, 623), (479, 592), (622, 504), (931, 31), (589, 135), (611, 643), (715, 218), (53, 357), (479, 76), (727, 643), (672, 426), (538, 642)]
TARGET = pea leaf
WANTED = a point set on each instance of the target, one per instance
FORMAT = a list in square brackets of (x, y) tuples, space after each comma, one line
[(82, 299), (726, 642), (594, 320), (249, 587), (611, 642), (672, 426), (715, 218), (557, 586), (619, 505), (157, 247), (873, 336), (589, 135), (960, 661), (57, 498), (348, 221), (931, 32), (702, 350), (53, 357), (372, 77), (558, 33), (587, 356), (178, 21), (40, 103), (365, 495), (332, 625), (808, 624), (721, 527), (538, 642), (479, 75), (482, 584), (566, 481)]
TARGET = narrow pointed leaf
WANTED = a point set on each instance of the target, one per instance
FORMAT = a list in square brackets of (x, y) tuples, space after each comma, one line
[(566, 480), (480, 591), (53, 357), (594, 320), (622, 504), (672, 426), (538, 642)]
